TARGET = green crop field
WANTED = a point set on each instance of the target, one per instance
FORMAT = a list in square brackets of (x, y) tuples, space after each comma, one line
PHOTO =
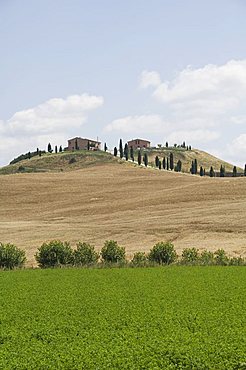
[(149, 318)]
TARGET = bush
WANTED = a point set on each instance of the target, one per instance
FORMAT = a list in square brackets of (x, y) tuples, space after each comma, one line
[(237, 261), (11, 256), (221, 258), (85, 254), (163, 253), (112, 252), (54, 253), (190, 256), (207, 258), (139, 259)]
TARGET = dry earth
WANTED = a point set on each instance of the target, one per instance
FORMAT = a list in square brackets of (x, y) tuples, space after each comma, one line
[(136, 206)]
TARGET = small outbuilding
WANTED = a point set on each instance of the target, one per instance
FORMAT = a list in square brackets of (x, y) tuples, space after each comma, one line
[(79, 143), (138, 144)]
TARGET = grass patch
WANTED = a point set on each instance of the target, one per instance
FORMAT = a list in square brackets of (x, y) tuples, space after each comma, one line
[(153, 318)]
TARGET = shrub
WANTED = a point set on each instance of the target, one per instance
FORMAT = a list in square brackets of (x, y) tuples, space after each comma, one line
[(237, 261), (139, 259), (163, 253), (11, 256), (221, 258), (54, 253), (112, 252), (207, 258), (85, 254), (190, 256)]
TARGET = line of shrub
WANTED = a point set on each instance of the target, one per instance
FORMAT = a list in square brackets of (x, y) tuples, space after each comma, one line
[(58, 254)]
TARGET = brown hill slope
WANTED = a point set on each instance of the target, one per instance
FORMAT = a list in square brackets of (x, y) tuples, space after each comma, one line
[(136, 206)]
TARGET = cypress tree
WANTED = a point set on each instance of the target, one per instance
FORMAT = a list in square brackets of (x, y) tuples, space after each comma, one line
[(234, 172), (29, 155), (166, 144), (139, 158), (195, 166), (49, 148), (121, 149), (211, 172), (245, 170), (164, 163), (179, 165), (126, 152), (159, 165), (204, 172), (37, 151), (40, 153), (167, 164), (88, 145), (56, 149), (192, 169), (222, 171), (157, 161), (171, 162), (115, 151), (60, 149), (201, 171), (132, 153), (105, 147), (145, 159)]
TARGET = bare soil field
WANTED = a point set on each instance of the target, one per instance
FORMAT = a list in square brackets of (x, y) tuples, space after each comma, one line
[(135, 206)]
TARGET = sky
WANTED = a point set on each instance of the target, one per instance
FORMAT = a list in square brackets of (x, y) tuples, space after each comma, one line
[(163, 70)]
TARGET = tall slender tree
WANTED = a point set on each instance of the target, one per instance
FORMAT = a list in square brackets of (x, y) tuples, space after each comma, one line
[(50, 148), (132, 153), (56, 149), (121, 149), (157, 161), (234, 172), (115, 151), (245, 170), (167, 164), (126, 152), (164, 163), (222, 171), (139, 157), (145, 159), (201, 171), (195, 166), (105, 147), (211, 172), (171, 162), (159, 165), (60, 149)]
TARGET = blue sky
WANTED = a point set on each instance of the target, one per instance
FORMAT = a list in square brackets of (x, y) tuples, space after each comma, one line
[(164, 70)]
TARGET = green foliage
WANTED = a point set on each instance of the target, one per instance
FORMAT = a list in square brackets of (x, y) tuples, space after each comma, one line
[(211, 172), (53, 254), (190, 256), (111, 252), (139, 158), (171, 162), (115, 151), (26, 156), (163, 253), (139, 259), (234, 172), (145, 159), (221, 257), (85, 254), (207, 258), (11, 256), (126, 152), (121, 149), (142, 318)]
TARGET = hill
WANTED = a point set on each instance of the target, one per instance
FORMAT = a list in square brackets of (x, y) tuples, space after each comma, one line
[(134, 205), (69, 161)]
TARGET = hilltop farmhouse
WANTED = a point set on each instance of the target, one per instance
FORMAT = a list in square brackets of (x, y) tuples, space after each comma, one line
[(79, 143), (138, 144)]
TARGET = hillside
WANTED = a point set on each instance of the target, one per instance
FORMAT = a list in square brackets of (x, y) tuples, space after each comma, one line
[(131, 204), (69, 161)]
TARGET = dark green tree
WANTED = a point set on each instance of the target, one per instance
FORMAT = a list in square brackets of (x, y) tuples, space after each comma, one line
[(105, 147), (167, 164), (121, 149), (115, 151), (29, 155), (166, 144), (171, 162), (126, 152), (132, 153), (234, 172), (157, 161), (178, 166), (245, 170), (164, 163), (192, 169), (37, 152), (222, 171), (139, 158), (159, 165), (201, 171), (56, 150), (85, 255), (211, 172), (50, 148), (195, 166), (88, 145), (60, 149), (11, 256), (145, 159)]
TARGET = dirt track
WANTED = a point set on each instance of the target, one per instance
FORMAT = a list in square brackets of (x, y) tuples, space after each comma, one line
[(135, 206)]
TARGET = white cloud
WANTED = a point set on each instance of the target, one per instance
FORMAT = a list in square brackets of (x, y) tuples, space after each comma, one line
[(53, 120), (138, 124), (197, 136), (149, 79)]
